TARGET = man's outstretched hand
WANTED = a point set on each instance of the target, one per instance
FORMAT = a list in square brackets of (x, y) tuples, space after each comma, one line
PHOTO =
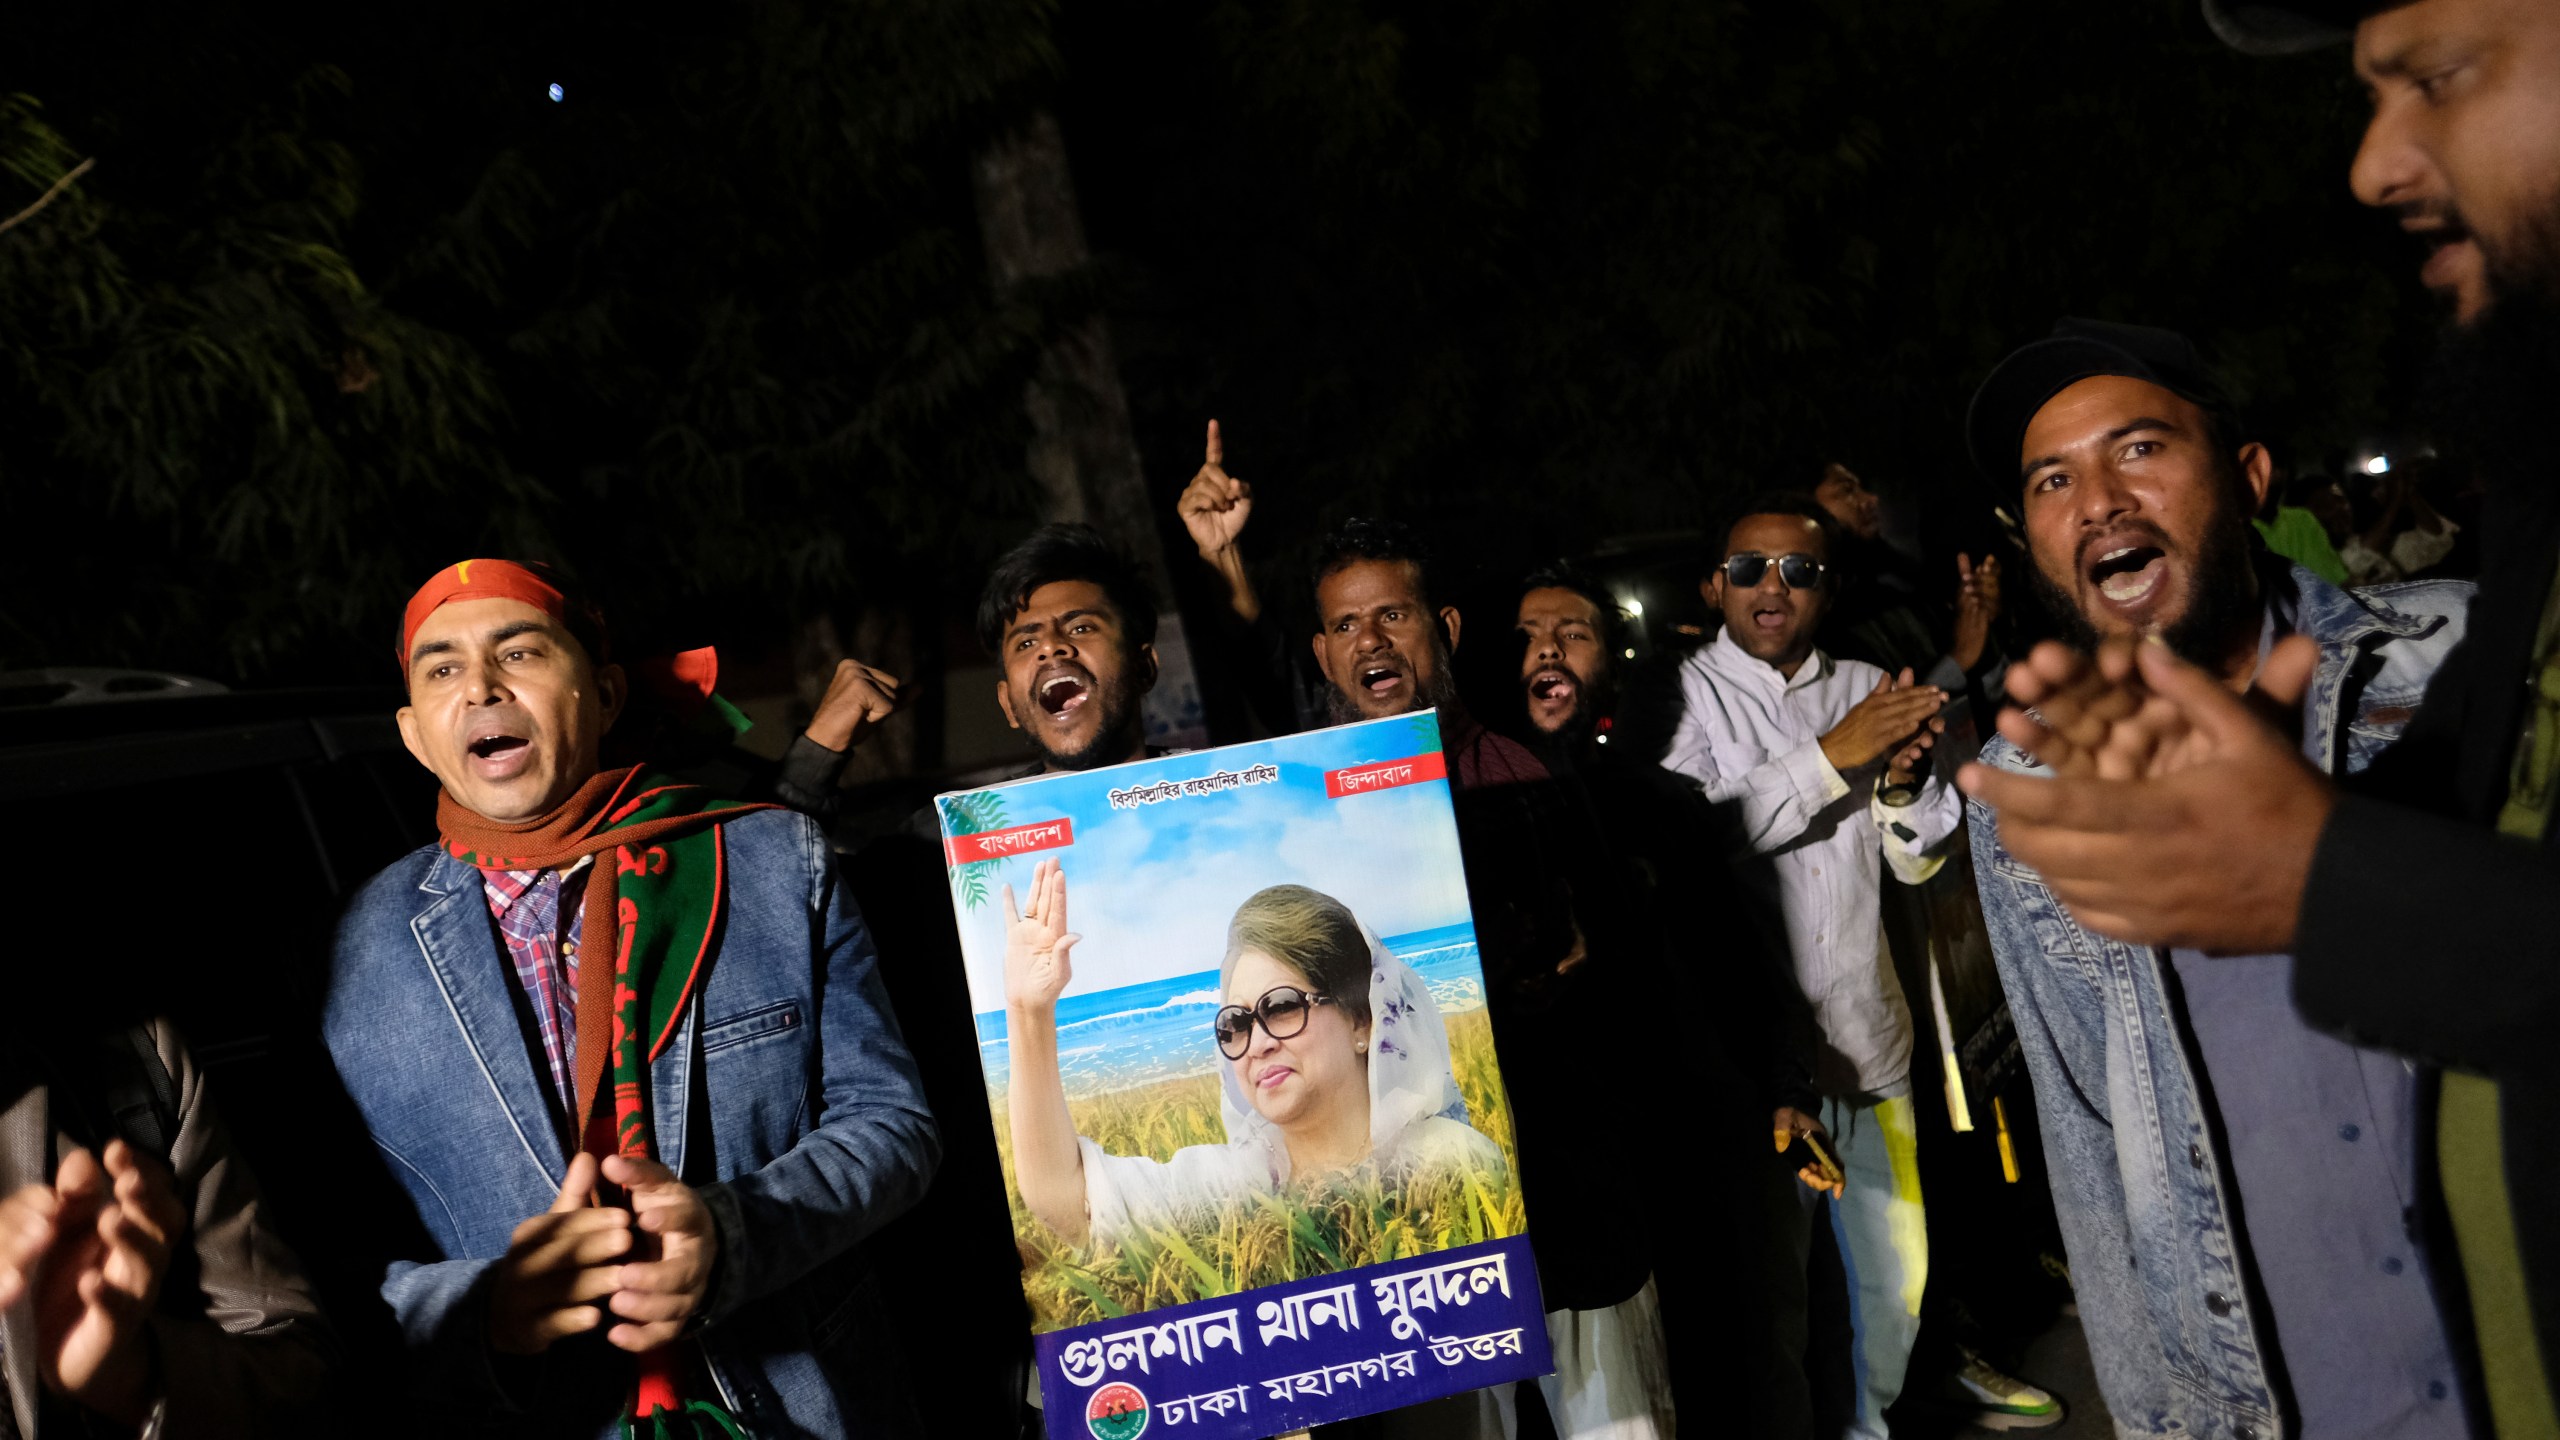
[(2097, 716), (2177, 813)]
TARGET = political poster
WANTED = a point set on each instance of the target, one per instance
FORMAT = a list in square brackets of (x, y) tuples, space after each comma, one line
[(1254, 1132)]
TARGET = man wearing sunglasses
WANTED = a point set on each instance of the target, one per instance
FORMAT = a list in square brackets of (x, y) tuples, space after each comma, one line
[(1811, 761)]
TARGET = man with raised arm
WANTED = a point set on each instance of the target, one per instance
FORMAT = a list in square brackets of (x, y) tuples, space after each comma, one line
[(1070, 622), (2415, 900), (2309, 1301), (626, 1049)]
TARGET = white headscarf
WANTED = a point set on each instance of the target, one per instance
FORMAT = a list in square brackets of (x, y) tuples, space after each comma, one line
[(1411, 1078)]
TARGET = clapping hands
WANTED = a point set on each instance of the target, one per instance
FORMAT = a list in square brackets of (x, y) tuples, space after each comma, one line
[(91, 1250), (2177, 812)]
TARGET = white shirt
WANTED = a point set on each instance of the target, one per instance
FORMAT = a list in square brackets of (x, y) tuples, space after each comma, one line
[(1753, 737)]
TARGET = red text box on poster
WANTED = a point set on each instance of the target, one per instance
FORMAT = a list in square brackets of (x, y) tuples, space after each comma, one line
[(1385, 775), (1013, 840)]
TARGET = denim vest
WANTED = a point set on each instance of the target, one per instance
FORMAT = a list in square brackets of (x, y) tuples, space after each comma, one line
[(2141, 1183), (787, 1100)]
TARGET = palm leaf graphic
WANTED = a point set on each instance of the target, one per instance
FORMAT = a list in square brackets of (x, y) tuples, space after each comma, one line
[(1426, 734), (971, 814)]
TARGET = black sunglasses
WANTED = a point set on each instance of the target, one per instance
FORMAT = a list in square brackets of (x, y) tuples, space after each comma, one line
[(1282, 1011), (1798, 571)]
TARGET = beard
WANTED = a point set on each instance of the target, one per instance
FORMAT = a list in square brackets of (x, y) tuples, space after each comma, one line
[(1117, 731), (2225, 598), (1439, 692), (2492, 380), (1582, 721)]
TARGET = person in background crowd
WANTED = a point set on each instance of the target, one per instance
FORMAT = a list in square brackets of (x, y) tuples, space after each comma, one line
[(2385, 531), (1560, 980), (1811, 761), (1068, 619), (2316, 1316), (2359, 547), (1285, 689), (2415, 900), (1733, 1303), (1569, 630), (142, 1289), (2304, 528), (1877, 613), (1071, 622), (1385, 645), (686, 1249), (1881, 619)]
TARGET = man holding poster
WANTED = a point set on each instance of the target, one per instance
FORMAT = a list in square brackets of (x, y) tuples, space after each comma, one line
[(1071, 623), (1385, 646), (1259, 1146)]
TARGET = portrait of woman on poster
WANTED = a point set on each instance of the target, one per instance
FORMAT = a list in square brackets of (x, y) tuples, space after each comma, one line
[(1334, 1058)]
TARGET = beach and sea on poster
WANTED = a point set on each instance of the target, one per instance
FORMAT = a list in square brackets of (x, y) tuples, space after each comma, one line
[(1282, 1306)]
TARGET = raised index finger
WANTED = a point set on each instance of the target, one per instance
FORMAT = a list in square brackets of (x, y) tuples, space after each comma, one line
[(1217, 452)]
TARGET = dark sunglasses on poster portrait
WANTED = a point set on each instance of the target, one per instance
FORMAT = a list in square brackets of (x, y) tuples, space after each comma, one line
[(1282, 1012)]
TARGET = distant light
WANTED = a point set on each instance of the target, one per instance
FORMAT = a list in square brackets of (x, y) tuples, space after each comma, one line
[(1631, 654), (2378, 465), (558, 93), (1635, 607), (1603, 739)]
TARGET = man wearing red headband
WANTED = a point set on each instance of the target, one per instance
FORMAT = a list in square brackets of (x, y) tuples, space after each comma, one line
[(625, 1047)]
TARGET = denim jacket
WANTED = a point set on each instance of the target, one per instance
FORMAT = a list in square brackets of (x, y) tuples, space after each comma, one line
[(2141, 1176), (787, 1099)]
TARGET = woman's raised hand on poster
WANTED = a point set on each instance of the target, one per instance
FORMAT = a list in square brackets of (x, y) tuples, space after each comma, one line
[(1047, 1164), (1036, 942)]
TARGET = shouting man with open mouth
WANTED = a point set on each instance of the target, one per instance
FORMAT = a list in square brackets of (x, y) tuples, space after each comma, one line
[(2136, 483)]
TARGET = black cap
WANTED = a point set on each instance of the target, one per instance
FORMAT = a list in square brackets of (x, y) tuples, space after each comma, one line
[(2017, 387), (2288, 27)]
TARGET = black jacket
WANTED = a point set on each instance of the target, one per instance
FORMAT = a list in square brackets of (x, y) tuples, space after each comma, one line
[(2423, 930)]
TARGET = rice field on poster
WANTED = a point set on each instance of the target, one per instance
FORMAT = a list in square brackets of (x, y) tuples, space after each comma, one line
[(1275, 1238)]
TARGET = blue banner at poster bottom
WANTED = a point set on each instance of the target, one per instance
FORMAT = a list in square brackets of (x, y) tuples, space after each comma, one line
[(1274, 1359)]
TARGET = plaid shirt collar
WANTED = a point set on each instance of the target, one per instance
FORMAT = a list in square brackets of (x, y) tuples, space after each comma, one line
[(506, 887)]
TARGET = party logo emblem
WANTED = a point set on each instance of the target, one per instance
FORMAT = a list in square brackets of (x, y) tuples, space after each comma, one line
[(1116, 1412)]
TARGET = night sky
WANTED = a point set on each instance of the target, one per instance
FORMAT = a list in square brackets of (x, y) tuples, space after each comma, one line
[(349, 296)]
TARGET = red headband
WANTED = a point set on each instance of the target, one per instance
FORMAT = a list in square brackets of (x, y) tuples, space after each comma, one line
[(480, 580)]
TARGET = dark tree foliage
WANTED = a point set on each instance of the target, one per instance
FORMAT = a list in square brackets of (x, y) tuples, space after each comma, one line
[(1540, 273), (349, 296)]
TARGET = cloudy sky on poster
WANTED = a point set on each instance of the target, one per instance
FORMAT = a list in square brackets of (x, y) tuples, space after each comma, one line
[(1151, 889)]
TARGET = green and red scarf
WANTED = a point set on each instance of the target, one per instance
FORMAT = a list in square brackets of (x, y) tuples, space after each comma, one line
[(653, 903)]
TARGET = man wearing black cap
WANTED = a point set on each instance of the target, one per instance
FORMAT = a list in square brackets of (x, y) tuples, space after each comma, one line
[(2416, 901), (2278, 1263)]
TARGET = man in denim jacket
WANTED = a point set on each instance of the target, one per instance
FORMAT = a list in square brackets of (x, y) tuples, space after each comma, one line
[(2236, 1189), (779, 1121)]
